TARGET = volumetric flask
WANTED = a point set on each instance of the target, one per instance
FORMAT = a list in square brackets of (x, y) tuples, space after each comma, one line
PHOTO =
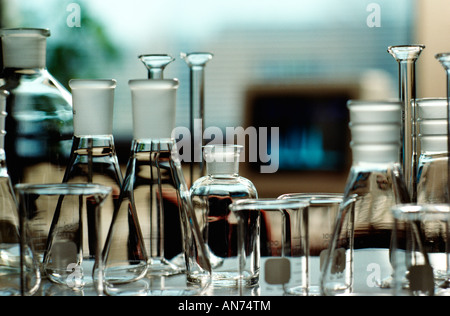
[(320, 220), (68, 250), (421, 256), (39, 123)]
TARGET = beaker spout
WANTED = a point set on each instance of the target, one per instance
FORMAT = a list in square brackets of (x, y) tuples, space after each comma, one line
[(406, 56)]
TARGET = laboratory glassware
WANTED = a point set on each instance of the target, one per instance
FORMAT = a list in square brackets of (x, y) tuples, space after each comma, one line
[(211, 197), (155, 189), (197, 64), (271, 242), (421, 254), (320, 218), (375, 183), (431, 127), (39, 121), (69, 255), (155, 64), (444, 59), (10, 284), (406, 57)]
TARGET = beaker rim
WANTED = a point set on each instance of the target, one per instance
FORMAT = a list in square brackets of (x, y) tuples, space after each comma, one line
[(314, 197), (154, 83), (92, 83), (25, 31), (268, 204), (63, 189)]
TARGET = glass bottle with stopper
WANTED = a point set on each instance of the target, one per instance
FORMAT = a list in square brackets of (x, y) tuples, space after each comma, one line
[(211, 197), (39, 123)]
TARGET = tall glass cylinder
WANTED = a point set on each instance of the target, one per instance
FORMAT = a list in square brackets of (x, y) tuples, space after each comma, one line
[(406, 56), (197, 63), (39, 123)]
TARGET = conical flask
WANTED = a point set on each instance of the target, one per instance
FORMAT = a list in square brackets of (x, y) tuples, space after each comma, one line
[(9, 221), (39, 123), (155, 64), (432, 148), (197, 63), (155, 189), (93, 157), (444, 59), (362, 236), (406, 56)]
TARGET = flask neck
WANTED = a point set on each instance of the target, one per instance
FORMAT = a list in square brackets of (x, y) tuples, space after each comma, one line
[(222, 160), (24, 51), (147, 145), (98, 145), (223, 169)]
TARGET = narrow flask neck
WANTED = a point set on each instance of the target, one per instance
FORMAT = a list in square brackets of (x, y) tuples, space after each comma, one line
[(152, 145), (99, 145), (222, 160), (24, 52), (226, 169)]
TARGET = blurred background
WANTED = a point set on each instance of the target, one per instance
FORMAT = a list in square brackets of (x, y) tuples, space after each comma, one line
[(291, 64)]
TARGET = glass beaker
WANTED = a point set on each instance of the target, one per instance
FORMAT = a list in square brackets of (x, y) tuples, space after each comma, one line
[(39, 123), (211, 197), (155, 64), (69, 254), (432, 148), (320, 220), (421, 253), (272, 243), (197, 63), (406, 56), (155, 190), (375, 183), (10, 284)]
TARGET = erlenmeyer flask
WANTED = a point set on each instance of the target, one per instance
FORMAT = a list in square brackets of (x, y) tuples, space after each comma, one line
[(362, 236), (39, 123), (9, 221), (406, 56), (432, 147), (211, 197), (93, 157), (155, 189), (155, 64), (444, 59), (197, 63)]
